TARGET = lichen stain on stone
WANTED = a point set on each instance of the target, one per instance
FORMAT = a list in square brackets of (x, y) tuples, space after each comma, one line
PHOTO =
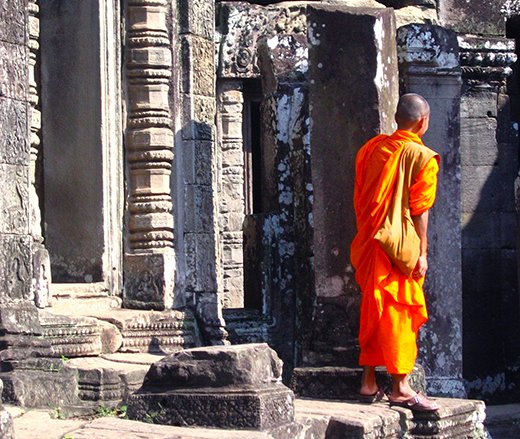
[(379, 79), (313, 39), (488, 385)]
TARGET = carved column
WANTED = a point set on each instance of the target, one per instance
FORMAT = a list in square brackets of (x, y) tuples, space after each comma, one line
[(41, 261), (231, 206), (149, 257), (429, 65)]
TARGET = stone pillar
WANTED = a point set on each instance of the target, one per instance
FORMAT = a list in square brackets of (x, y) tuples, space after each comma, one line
[(41, 262), (286, 273), (18, 315), (200, 273), (429, 65), (489, 162), (149, 257), (358, 47), (231, 193)]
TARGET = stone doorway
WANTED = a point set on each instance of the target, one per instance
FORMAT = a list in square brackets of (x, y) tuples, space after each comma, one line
[(82, 182)]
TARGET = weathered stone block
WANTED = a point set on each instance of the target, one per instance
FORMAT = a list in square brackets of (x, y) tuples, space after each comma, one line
[(149, 280), (478, 142), (255, 409), (14, 202), (479, 104), (200, 259), (227, 387), (480, 230), (216, 366), (12, 21), (197, 17), (196, 161), (41, 382), (15, 270), (198, 59), (198, 117), (14, 142), (485, 190), (483, 17), (13, 71), (199, 218)]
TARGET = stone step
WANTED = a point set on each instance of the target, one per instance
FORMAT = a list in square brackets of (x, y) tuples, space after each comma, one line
[(342, 383), (314, 418), (110, 379), (503, 421)]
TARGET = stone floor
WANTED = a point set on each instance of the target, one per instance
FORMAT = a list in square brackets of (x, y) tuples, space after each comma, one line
[(312, 417)]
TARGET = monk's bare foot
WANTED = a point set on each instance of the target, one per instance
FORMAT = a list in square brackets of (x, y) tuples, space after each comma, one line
[(418, 403), (368, 390), (368, 381), (400, 397)]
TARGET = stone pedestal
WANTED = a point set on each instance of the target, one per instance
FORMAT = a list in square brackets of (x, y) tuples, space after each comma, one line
[(429, 66), (227, 387), (149, 280)]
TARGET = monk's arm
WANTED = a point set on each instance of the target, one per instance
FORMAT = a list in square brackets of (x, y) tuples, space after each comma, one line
[(421, 227)]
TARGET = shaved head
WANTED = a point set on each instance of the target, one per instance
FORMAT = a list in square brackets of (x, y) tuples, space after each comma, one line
[(410, 110)]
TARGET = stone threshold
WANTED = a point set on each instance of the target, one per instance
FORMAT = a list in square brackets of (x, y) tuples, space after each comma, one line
[(314, 418)]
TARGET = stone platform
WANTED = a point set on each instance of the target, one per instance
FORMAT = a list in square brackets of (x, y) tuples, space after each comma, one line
[(313, 419)]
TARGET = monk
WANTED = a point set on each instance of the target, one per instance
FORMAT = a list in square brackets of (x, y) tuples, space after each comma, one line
[(393, 306)]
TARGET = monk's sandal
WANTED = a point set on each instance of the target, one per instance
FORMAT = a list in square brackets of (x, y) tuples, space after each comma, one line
[(417, 403)]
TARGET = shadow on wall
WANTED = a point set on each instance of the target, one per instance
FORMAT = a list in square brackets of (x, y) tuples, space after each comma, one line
[(491, 321)]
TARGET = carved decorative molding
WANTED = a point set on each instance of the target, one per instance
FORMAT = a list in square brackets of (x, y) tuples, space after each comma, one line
[(486, 62), (230, 111), (245, 25), (149, 139)]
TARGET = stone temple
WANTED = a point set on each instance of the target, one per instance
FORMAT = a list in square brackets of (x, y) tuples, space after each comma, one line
[(178, 174)]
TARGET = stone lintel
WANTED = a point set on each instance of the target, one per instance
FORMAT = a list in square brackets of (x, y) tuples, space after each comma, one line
[(149, 280)]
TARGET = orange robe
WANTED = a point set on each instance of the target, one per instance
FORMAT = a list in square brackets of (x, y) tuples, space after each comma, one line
[(393, 306)]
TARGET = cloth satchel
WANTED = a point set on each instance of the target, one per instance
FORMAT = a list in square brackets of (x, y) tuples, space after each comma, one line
[(397, 235)]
